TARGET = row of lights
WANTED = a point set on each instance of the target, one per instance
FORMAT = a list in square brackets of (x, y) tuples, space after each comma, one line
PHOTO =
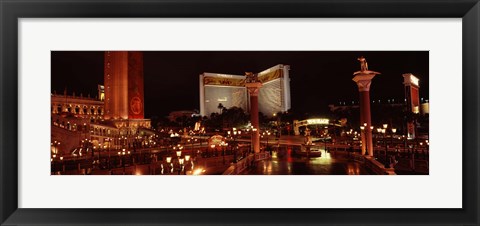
[(379, 129)]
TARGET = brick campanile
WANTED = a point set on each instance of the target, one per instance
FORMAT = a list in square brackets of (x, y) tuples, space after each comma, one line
[(123, 79)]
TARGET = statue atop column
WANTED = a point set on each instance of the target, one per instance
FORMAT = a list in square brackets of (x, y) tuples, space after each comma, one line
[(363, 63), (251, 77), (308, 138)]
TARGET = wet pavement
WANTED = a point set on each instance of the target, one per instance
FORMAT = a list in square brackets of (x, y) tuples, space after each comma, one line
[(330, 163)]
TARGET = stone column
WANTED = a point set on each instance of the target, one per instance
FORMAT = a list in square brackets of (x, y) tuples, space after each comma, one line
[(364, 80), (253, 89)]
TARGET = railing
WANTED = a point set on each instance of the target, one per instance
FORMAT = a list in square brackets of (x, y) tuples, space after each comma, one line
[(358, 158), (245, 163), (262, 156), (240, 166), (373, 164)]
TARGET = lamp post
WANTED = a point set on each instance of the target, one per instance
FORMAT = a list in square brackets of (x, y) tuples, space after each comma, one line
[(223, 144), (269, 149), (192, 141), (261, 136), (180, 160), (384, 131), (121, 156), (213, 148), (229, 134), (55, 144), (52, 165), (93, 156), (63, 165), (248, 131), (108, 150), (427, 148), (233, 136), (266, 134), (362, 129), (187, 159), (421, 149), (379, 131), (179, 153), (254, 130), (169, 163), (373, 144), (348, 143), (195, 153), (394, 130)]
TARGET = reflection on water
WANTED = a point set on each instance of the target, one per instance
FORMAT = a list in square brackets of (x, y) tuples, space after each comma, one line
[(289, 164)]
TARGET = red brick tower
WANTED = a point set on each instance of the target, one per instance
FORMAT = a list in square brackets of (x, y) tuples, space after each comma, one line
[(123, 78)]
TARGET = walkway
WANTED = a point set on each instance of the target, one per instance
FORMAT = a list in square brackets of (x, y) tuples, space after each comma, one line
[(328, 164)]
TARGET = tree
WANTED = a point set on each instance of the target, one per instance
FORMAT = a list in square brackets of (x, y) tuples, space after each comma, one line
[(234, 117), (220, 107)]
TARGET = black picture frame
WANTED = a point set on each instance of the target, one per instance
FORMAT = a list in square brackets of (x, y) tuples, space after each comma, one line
[(11, 11)]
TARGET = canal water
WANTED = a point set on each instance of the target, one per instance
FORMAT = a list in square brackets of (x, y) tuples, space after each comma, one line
[(288, 163)]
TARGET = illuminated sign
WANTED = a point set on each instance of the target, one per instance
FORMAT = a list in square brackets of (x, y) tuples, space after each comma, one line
[(318, 121), (215, 140), (223, 81)]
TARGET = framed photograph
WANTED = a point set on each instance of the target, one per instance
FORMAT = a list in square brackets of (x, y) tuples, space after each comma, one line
[(248, 113)]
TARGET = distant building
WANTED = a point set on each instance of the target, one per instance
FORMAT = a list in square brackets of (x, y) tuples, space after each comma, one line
[(229, 91), (412, 95), (425, 108), (80, 106), (412, 98), (178, 114)]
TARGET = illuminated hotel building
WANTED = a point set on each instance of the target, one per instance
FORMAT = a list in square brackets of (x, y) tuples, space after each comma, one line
[(230, 91)]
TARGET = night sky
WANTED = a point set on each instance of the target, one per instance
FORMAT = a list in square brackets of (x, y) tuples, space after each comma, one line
[(318, 78)]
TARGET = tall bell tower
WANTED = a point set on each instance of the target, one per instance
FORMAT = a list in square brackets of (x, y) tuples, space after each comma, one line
[(123, 79)]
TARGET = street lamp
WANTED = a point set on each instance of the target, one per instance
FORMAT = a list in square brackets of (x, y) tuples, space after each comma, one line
[(233, 136), (187, 160), (223, 144), (213, 148), (379, 131), (63, 165), (55, 144), (121, 156), (180, 162), (195, 155), (170, 164), (191, 141), (267, 134), (362, 129), (384, 131), (394, 130), (254, 130)]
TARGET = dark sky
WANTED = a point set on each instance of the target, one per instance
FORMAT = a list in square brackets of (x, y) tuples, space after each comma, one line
[(318, 78)]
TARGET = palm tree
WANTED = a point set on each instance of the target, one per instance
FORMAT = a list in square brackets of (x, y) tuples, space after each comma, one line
[(220, 107)]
